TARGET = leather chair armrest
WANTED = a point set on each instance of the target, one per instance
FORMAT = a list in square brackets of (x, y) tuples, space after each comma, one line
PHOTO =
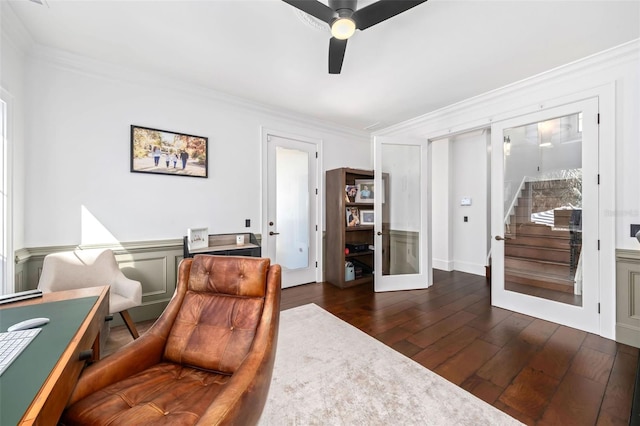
[(138, 355)]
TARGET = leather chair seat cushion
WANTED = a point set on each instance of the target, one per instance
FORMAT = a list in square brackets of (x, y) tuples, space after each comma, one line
[(165, 394), (213, 332)]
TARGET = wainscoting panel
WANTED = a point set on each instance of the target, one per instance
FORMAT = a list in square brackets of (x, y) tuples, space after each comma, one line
[(154, 264), (404, 247), (628, 297)]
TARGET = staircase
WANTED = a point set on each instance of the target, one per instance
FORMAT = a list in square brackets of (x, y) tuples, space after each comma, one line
[(537, 254)]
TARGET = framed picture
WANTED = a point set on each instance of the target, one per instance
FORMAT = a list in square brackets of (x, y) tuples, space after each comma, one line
[(367, 217), (366, 192), (197, 238), (353, 216), (168, 153), (350, 192)]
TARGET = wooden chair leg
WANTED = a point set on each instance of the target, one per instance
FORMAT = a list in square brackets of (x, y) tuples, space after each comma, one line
[(129, 323)]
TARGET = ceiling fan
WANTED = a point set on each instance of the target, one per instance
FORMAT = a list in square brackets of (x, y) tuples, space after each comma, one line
[(344, 20)]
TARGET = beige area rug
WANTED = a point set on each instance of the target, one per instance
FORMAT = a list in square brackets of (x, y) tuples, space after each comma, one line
[(328, 372)]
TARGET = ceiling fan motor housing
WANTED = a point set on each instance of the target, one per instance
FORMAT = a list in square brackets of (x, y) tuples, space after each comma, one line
[(343, 7)]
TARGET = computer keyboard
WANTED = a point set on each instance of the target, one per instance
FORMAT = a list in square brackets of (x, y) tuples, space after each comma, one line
[(12, 343)]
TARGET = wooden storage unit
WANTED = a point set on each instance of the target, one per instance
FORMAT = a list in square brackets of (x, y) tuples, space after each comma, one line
[(338, 234), (225, 245)]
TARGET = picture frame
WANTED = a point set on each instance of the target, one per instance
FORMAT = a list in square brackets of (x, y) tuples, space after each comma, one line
[(367, 191), (367, 217), (164, 152), (350, 192), (352, 216), (197, 238)]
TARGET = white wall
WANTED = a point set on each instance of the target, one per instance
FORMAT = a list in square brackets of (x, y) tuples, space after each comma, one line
[(441, 204), (79, 154), (469, 180), (13, 39)]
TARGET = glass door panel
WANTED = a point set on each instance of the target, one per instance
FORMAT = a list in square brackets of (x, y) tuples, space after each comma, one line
[(543, 209), (544, 215), (401, 247), (290, 240), (292, 208)]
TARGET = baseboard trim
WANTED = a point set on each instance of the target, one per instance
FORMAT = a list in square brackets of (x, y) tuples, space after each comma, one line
[(444, 265)]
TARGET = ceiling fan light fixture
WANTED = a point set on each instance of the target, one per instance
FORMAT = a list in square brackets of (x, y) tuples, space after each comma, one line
[(343, 28)]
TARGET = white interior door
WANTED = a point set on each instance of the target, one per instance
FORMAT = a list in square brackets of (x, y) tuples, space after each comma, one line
[(544, 215), (290, 239), (402, 214)]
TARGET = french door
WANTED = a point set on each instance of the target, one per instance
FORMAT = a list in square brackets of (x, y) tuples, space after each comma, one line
[(544, 215), (291, 212), (402, 215)]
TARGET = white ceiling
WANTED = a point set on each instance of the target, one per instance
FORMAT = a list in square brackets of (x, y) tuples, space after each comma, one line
[(434, 55)]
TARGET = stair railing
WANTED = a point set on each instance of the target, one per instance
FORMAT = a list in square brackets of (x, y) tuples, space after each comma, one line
[(514, 201)]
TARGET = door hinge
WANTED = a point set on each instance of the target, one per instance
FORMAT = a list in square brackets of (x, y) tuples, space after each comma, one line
[(316, 191), (598, 118), (316, 227), (316, 154), (316, 264), (598, 307), (598, 178), (598, 244)]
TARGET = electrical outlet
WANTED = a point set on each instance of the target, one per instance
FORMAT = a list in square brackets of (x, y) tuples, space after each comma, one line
[(247, 223), (634, 229)]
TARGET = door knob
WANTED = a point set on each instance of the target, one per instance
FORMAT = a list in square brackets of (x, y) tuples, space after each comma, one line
[(379, 232), (273, 233), (499, 238), (270, 223)]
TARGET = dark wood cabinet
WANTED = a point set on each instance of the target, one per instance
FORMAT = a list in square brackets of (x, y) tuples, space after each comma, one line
[(225, 245), (339, 236)]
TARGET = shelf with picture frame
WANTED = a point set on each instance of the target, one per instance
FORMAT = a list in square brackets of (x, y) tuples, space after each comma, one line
[(341, 198)]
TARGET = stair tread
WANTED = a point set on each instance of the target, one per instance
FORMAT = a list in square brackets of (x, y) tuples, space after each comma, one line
[(538, 275), (534, 247), (528, 259)]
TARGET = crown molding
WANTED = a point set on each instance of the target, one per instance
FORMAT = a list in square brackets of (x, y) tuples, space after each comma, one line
[(13, 30), (610, 58), (109, 71)]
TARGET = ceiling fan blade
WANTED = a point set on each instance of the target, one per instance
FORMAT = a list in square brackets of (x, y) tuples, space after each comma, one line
[(314, 8), (381, 11), (336, 54)]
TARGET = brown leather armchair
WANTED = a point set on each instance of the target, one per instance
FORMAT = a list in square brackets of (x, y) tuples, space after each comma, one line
[(207, 360)]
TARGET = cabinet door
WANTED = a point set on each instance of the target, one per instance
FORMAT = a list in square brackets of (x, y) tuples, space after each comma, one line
[(402, 245)]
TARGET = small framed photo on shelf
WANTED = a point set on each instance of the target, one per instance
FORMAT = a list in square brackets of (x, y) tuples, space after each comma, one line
[(367, 217), (353, 216), (365, 192), (197, 238), (350, 192)]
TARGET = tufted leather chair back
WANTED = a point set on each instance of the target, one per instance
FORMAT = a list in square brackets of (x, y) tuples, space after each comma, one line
[(221, 312)]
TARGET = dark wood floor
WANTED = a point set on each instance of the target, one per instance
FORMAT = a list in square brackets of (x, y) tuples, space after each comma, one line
[(538, 372)]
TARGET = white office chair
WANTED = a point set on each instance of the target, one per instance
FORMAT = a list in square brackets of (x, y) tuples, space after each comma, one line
[(71, 270)]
